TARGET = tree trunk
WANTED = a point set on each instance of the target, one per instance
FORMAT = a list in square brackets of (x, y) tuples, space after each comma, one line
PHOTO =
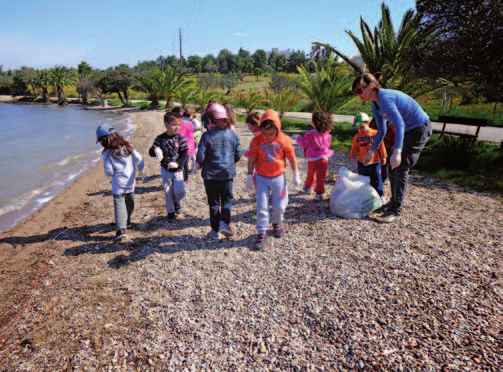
[(61, 96), (155, 101), (120, 97), (169, 101), (85, 97), (444, 100), (45, 95), (126, 97), (450, 107)]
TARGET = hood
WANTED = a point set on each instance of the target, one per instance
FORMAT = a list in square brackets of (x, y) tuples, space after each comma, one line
[(272, 115)]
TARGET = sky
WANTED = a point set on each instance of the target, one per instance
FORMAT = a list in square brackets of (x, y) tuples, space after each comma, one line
[(42, 34)]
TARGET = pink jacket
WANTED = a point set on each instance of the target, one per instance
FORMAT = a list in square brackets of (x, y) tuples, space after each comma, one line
[(187, 131), (316, 145)]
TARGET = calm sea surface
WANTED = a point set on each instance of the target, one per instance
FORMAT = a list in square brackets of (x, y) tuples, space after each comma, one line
[(42, 149)]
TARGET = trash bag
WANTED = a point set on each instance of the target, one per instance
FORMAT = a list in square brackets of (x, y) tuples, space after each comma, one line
[(353, 196)]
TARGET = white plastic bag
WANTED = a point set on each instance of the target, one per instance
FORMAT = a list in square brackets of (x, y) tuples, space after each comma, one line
[(353, 196)]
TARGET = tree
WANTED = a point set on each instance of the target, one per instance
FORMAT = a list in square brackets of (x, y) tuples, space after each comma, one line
[(195, 63), (210, 64), (279, 82), (247, 61), (386, 51), (205, 96), (468, 44), (284, 101), (328, 90), (259, 59), (28, 75), (83, 86), (296, 59), (43, 81), (162, 84), (250, 100), (61, 77), (277, 62), (119, 80), (228, 82), (184, 96)]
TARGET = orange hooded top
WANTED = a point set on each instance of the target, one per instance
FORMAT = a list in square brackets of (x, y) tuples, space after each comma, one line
[(270, 155)]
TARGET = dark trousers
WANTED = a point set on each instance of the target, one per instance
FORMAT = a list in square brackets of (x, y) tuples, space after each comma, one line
[(374, 172), (220, 196), (386, 168), (413, 142)]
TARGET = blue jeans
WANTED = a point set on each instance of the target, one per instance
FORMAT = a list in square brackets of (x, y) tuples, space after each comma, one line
[(277, 188), (174, 188), (413, 142), (374, 172), (123, 209), (220, 196)]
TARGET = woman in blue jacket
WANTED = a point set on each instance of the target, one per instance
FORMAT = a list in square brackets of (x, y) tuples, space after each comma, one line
[(413, 129)]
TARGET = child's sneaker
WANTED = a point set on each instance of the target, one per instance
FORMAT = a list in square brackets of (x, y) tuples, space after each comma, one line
[(318, 197), (277, 230), (259, 243), (214, 235), (120, 234), (305, 190), (384, 200), (388, 217), (171, 217), (178, 208), (225, 229)]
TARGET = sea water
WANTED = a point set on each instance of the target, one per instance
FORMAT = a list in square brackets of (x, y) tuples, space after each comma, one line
[(42, 149)]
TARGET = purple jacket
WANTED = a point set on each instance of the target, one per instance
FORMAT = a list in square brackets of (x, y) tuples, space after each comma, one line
[(316, 145)]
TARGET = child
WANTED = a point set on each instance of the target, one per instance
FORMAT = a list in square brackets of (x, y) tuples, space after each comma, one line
[(171, 149), (253, 124), (187, 129), (219, 151), (119, 161), (268, 153), (360, 145), (316, 145)]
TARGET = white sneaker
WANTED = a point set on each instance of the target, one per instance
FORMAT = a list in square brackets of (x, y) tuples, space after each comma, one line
[(384, 199), (225, 229)]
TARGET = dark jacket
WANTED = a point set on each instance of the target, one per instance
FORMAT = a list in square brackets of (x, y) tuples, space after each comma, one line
[(219, 151), (174, 148)]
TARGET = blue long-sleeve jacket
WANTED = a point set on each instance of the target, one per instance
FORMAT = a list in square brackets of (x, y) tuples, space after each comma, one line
[(399, 108), (218, 152)]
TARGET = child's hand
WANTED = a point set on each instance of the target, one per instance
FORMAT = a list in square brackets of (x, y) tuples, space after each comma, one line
[(368, 156), (158, 153), (173, 165), (383, 161), (250, 184), (296, 178), (396, 158)]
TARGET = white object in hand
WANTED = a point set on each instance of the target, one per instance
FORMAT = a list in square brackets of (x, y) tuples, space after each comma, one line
[(250, 184), (396, 158), (296, 178), (368, 157), (172, 165), (158, 153)]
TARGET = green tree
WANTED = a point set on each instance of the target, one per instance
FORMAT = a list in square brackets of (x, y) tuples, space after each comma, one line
[(162, 84), (195, 64), (61, 77), (43, 81), (296, 59), (184, 96), (28, 75), (259, 60), (210, 64), (84, 84), (387, 51), (228, 82), (250, 100), (328, 90), (247, 61), (284, 101), (204, 96)]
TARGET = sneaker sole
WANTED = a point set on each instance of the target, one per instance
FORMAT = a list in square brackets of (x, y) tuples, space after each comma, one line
[(226, 233)]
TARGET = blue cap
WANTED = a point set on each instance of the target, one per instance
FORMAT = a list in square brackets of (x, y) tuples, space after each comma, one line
[(104, 130)]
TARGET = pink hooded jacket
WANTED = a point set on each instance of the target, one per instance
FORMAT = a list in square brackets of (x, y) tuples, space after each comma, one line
[(316, 145)]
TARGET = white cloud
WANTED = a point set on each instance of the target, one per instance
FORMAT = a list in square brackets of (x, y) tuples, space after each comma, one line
[(240, 34)]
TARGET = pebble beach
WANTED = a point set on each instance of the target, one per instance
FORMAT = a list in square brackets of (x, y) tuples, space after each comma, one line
[(422, 294)]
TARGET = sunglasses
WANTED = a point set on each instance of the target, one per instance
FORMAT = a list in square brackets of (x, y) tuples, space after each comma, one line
[(360, 90)]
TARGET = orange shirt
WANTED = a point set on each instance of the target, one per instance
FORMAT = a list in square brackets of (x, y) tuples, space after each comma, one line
[(361, 143)]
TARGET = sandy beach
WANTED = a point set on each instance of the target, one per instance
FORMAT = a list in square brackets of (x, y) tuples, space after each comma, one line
[(424, 294)]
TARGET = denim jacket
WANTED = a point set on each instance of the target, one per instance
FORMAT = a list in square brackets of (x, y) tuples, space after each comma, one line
[(219, 151)]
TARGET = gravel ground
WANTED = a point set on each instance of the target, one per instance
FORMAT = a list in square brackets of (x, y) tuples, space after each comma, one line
[(423, 294)]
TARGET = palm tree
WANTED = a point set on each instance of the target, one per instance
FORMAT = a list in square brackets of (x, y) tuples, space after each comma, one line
[(61, 77), (250, 100), (284, 101), (162, 84), (43, 81), (384, 50), (328, 90), (204, 97), (84, 85), (183, 96)]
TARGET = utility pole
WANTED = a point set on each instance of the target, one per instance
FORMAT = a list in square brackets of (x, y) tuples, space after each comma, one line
[(181, 57)]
